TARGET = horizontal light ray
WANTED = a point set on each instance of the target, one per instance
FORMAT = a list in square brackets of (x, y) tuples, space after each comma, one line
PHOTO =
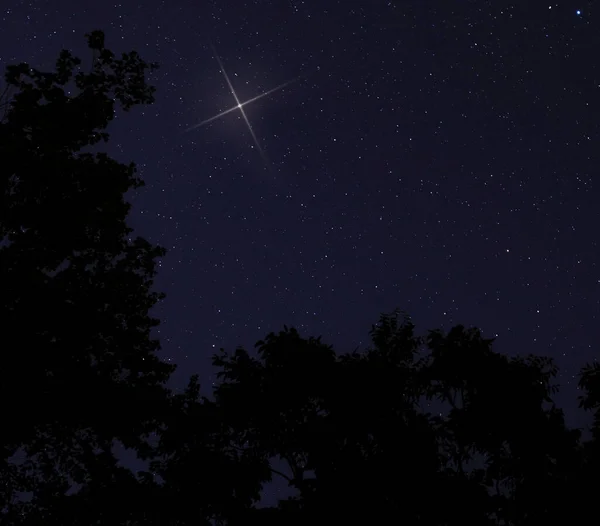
[(213, 118), (238, 107)]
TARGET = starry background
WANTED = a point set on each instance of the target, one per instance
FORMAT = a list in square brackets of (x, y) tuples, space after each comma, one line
[(437, 156)]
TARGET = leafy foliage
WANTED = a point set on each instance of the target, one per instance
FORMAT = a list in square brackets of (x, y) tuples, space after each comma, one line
[(79, 367), (359, 443)]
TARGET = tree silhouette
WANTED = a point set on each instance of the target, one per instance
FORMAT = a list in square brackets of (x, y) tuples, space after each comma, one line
[(585, 485), (359, 442), (79, 367), (348, 428), (206, 478), (498, 417)]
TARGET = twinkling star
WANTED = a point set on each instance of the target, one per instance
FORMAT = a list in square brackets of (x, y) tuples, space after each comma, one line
[(239, 105)]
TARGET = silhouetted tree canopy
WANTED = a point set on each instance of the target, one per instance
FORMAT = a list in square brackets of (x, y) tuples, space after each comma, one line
[(361, 443), (79, 368), (435, 429)]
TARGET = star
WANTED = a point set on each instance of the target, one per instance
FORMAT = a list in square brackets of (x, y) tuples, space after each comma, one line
[(239, 105)]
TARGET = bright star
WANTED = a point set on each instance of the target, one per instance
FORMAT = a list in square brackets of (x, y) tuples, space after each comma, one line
[(239, 105)]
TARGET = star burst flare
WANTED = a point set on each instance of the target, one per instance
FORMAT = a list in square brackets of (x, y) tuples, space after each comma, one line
[(239, 105)]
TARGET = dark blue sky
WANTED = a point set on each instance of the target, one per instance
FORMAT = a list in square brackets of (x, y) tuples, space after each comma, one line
[(437, 156)]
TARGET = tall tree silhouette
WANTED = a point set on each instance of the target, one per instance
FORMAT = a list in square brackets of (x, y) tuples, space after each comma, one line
[(585, 486), (502, 426), (206, 479), (79, 368), (357, 437), (347, 429)]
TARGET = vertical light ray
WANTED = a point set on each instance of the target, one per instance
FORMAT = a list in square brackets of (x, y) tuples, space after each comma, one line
[(239, 104)]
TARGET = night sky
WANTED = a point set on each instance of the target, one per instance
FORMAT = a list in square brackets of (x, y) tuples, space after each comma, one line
[(437, 156)]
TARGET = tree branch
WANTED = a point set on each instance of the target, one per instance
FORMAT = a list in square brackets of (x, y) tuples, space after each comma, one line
[(281, 475)]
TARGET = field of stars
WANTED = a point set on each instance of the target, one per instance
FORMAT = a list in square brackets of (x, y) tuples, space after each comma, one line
[(315, 163)]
